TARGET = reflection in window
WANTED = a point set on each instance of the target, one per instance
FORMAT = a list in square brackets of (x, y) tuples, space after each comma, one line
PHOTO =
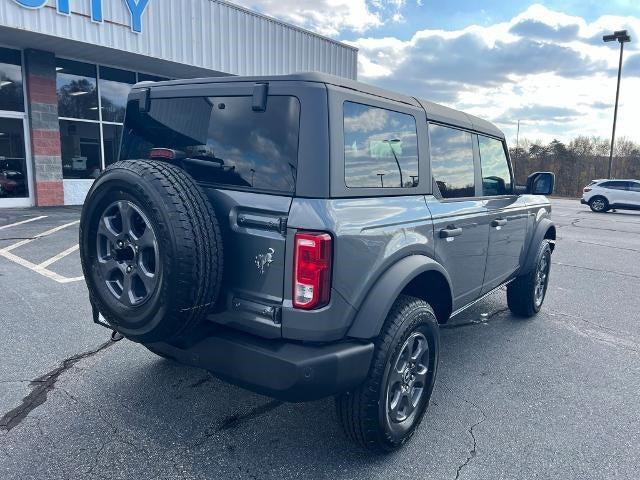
[(144, 77), (77, 92), (380, 147), (496, 177), (11, 92), (114, 89), (80, 142), (452, 161), (112, 135), (221, 140), (13, 165)]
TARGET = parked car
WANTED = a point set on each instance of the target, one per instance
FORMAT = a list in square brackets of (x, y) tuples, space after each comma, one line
[(304, 236), (605, 195)]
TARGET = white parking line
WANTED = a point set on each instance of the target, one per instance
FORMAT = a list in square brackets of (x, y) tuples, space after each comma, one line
[(28, 220), (42, 267), (44, 234), (59, 256)]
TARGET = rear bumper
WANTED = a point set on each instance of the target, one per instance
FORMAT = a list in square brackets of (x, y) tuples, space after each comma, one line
[(583, 201), (288, 371)]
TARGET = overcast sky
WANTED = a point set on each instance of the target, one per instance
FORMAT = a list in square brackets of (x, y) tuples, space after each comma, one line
[(543, 63)]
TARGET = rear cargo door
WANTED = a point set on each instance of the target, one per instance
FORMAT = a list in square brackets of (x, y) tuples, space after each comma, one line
[(240, 142)]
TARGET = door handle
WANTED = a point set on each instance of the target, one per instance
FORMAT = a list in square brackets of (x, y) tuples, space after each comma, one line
[(499, 222), (450, 232)]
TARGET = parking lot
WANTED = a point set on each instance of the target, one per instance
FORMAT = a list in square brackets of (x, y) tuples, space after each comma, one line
[(551, 397)]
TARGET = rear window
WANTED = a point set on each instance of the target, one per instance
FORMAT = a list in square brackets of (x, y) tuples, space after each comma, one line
[(615, 185), (221, 140), (452, 161)]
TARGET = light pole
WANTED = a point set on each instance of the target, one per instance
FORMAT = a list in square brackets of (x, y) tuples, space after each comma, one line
[(392, 142), (622, 37)]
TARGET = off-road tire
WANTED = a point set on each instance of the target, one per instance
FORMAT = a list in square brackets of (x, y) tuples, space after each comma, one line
[(599, 204), (362, 412), (189, 248), (521, 293)]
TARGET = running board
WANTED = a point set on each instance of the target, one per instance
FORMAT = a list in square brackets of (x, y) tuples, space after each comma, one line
[(490, 292)]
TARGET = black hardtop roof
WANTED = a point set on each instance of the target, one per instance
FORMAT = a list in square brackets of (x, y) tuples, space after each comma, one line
[(435, 112)]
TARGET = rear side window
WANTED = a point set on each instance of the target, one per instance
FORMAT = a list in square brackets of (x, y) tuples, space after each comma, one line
[(452, 161), (380, 147), (221, 140), (496, 176), (634, 186), (615, 185)]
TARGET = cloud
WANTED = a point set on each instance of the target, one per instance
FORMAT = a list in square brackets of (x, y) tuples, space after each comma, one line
[(331, 17), (542, 67)]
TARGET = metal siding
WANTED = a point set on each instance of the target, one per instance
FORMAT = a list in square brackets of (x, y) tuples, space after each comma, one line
[(208, 34)]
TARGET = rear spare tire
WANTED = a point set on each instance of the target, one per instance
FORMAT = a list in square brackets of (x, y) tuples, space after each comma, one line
[(151, 250)]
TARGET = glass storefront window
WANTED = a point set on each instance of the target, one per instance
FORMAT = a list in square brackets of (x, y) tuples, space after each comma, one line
[(112, 134), (114, 89), (13, 164), (81, 155), (77, 90), (11, 92)]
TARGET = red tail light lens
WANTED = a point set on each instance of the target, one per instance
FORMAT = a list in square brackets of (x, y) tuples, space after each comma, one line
[(586, 189), (312, 270), (165, 153)]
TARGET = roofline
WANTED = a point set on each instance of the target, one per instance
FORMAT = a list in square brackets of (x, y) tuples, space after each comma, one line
[(285, 24)]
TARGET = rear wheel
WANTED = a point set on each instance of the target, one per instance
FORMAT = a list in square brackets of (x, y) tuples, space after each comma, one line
[(151, 250), (599, 204), (384, 412)]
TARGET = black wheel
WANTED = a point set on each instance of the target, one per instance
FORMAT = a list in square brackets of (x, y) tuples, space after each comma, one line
[(384, 412), (526, 294), (599, 204), (151, 250)]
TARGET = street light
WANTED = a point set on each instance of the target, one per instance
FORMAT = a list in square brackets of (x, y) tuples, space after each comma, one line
[(392, 142), (622, 37)]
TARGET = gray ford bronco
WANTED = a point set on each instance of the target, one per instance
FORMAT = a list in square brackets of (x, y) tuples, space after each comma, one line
[(303, 236)]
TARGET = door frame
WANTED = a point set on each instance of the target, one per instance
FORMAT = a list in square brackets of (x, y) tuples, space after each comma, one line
[(30, 200)]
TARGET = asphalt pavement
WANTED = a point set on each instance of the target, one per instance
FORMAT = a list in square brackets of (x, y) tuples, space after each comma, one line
[(554, 397)]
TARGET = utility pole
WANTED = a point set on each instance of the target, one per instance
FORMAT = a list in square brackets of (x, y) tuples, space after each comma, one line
[(622, 37)]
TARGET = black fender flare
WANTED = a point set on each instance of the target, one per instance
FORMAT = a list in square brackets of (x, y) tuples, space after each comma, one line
[(542, 227), (378, 302)]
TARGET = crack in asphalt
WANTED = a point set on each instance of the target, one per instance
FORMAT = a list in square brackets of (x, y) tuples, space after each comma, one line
[(630, 275), (474, 449), (472, 323), (608, 246), (42, 386)]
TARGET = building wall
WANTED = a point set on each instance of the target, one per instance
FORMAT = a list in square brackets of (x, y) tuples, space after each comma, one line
[(208, 34), (42, 107)]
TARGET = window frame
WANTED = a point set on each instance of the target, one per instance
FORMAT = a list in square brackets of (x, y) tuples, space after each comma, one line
[(338, 188), (344, 145), (477, 174), (509, 166)]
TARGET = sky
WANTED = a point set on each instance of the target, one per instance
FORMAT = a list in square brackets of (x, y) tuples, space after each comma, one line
[(543, 63)]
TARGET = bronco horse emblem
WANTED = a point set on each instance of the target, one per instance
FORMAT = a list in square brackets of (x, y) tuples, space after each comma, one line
[(264, 260)]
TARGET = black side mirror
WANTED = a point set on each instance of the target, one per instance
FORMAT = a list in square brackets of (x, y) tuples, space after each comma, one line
[(541, 183)]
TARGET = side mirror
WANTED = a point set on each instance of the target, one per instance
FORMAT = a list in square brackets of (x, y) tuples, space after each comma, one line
[(540, 183)]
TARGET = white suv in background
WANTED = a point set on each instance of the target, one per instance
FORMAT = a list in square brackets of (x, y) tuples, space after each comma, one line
[(603, 195)]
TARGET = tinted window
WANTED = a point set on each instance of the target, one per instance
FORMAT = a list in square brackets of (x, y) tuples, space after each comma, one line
[(634, 186), (77, 92), (111, 135), (13, 162), (114, 89), (380, 147), (11, 94), (144, 77), (221, 140), (452, 161), (615, 185), (496, 177), (80, 143)]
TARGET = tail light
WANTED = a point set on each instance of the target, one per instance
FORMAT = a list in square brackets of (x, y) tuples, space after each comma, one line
[(586, 189), (312, 270)]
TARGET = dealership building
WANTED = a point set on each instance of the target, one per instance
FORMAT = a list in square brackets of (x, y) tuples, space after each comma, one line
[(66, 67)]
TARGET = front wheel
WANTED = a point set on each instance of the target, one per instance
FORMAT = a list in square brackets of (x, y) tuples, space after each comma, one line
[(599, 204), (385, 411), (526, 294)]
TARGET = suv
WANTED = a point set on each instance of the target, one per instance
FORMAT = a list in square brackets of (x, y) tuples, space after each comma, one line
[(303, 236), (605, 195)]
